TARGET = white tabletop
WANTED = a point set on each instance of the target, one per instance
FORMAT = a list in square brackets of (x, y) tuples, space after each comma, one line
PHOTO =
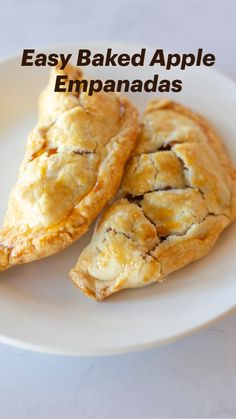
[(195, 377)]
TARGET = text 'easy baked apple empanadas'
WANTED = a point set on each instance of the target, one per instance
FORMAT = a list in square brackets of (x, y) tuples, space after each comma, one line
[(72, 167), (178, 194)]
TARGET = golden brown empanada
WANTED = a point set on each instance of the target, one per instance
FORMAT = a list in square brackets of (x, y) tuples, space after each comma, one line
[(72, 167), (178, 194)]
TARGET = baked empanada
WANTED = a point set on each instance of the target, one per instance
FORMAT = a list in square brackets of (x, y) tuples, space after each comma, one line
[(178, 194), (72, 167)]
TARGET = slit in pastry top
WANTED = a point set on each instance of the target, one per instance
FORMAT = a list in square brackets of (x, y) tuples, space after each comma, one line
[(177, 195), (73, 165)]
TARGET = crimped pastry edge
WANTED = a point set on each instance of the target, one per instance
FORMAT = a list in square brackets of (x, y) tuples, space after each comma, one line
[(17, 247), (197, 248)]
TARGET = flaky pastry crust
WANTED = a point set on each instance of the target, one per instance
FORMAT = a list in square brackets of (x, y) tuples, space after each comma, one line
[(72, 167), (178, 194)]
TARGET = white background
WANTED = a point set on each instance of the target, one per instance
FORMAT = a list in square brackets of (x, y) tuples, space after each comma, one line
[(195, 377)]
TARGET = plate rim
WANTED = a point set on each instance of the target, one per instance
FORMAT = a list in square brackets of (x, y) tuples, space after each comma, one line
[(129, 348), (122, 350)]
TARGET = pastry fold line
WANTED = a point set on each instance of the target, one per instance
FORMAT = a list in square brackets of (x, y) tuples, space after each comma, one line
[(177, 195), (73, 166)]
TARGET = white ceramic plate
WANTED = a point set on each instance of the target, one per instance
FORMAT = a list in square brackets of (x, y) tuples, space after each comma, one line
[(40, 309)]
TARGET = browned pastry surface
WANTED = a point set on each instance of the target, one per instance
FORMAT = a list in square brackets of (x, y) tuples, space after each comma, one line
[(73, 166), (178, 194)]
